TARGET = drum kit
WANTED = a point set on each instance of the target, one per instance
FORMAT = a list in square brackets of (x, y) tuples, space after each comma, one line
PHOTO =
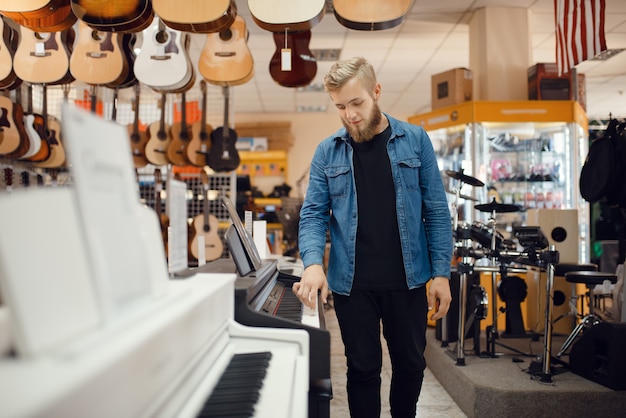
[(480, 240)]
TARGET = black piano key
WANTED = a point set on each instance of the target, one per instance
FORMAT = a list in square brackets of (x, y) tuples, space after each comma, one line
[(238, 389)]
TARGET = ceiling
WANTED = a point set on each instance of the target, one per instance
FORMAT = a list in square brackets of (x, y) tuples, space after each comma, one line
[(433, 38)]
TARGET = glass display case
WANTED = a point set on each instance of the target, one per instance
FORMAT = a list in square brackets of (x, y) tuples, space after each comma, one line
[(527, 153)]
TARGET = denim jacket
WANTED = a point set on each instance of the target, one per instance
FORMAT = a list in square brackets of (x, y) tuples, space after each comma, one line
[(423, 214)]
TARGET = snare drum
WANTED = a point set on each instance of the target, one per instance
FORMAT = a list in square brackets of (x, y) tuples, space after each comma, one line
[(482, 235)]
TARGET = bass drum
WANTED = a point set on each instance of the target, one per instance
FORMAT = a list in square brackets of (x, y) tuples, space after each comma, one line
[(482, 235)]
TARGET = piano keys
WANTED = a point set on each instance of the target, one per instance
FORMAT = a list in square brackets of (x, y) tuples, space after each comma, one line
[(164, 361)]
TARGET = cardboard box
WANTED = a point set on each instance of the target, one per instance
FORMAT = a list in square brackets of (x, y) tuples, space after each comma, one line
[(451, 87)]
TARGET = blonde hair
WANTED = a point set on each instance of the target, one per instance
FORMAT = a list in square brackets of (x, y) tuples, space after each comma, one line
[(343, 71)]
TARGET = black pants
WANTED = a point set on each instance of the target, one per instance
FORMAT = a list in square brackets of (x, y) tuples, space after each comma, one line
[(403, 314)]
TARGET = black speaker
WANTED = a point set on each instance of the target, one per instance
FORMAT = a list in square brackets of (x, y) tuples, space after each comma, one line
[(600, 355)]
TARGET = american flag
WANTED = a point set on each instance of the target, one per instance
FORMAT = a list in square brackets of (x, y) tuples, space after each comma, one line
[(579, 31)]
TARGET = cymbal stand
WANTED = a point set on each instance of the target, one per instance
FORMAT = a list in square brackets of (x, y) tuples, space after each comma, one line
[(465, 268), (455, 225), (492, 330)]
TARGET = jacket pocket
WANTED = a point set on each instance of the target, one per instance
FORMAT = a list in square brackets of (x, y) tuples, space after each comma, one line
[(409, 170), (338, 180)]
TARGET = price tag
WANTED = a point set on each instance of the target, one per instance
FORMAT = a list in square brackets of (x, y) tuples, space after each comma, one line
[(285, 59)]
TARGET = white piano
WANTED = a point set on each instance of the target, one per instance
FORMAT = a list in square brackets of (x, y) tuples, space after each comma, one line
[(98, 329)]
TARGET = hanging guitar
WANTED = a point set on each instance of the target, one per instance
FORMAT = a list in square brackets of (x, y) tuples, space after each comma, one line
[(293, 63), (181, 135), (206, 224), (223, 155), (196, 16), (114, 16), (8, 44), (371, 14), (200, 142), (52, 132), (158, 206), (34, 125), (294, 15), (160, 138), (138, 138), (42, 15)]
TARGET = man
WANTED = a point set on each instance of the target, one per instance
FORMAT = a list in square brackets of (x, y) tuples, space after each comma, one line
[(376, 184)]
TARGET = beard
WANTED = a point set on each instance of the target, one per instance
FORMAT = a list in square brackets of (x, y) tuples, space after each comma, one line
[(367, 132)]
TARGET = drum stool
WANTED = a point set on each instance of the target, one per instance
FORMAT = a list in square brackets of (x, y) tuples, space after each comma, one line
[(590, 279), (568, 306)]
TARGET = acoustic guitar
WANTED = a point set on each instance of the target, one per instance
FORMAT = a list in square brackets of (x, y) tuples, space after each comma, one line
[(290, 15), (223, 155), (164, 63), (293, 63), (115, 16), (164, 221), (34, 125), (52, 131), (226, 59), (138, 138), (207, 225), (159, 138), (181, 135), (8, 44), (98, 57), (371, 14), (14, 143), (43, 57), (196, 15), (200, 142), (40, 15)]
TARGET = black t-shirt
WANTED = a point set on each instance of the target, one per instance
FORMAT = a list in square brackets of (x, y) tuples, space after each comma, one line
[(379, 264)]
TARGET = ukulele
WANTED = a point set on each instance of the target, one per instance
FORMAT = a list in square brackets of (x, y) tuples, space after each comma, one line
[(43, 57), (371, 14), (163, 62), (114, 16), (291, 15), (226, 58), (160, 138), (52, 132), (206, 224), (138, 138), (196, 16), (293, 63), (34, 125), (223, 155), (158, 206), (181, 135), (200, 142), (98, 57)]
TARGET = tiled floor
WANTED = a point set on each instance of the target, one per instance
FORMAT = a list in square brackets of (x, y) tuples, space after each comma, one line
[(434, 400)]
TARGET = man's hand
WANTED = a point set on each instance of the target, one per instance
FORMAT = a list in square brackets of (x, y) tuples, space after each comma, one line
[(313, 279), (439, 297)]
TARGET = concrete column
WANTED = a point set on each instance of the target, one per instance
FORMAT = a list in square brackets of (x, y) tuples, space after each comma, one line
[(500, 53)]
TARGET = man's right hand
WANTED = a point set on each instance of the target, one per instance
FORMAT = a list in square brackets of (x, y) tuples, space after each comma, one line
[(313, 280)]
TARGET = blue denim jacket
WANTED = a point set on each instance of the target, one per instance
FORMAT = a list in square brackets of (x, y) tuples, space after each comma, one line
[(423, 214)]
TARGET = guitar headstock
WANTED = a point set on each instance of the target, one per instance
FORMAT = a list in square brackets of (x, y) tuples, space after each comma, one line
[(8, 178), (204, 178)]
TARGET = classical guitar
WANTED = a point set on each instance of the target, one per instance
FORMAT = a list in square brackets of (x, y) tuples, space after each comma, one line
[(181, 135), (206, 224), (52, 131), (159, 138), (43, 57), (138, 138), (8, 45), (371, 14), (293, 63), (163, 62), (196, 16), (226, 58), (223, 155), (290, 15), (98, 57), (115, 16), (34, 124), (200, 142), (158, 206), (40, 15)]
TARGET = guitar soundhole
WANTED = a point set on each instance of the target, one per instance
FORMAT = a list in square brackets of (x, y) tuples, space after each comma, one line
[(162, 37), (226, 35), (97, 36), (206, 228), (42, 36)]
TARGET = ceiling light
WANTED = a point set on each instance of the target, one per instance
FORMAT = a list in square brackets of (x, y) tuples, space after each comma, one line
[(301, 109), (326, 54), (312, 87), (605, 55)]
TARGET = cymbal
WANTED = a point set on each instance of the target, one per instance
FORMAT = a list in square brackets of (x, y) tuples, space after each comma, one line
[(463, 196), (497, 207), (472, 181)]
